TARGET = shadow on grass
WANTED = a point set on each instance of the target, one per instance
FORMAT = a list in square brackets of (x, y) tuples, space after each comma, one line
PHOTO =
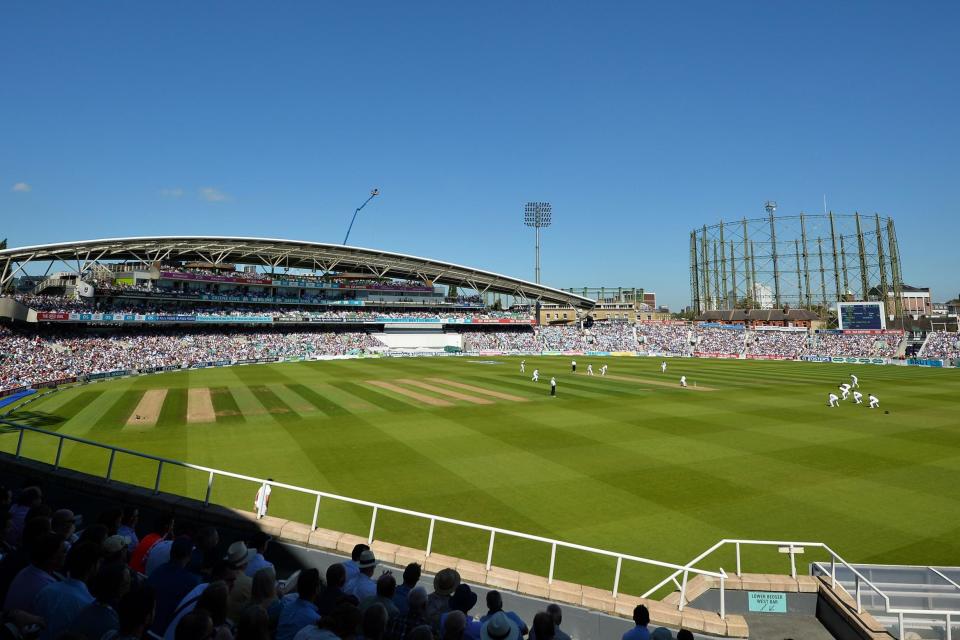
[(36, 419)]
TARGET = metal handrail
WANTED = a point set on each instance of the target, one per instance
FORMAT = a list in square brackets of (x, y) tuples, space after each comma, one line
[(375, 506), (835, 557)]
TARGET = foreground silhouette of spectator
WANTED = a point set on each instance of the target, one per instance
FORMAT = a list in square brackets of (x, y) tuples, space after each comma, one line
[(641, 617), (253, 624), (543, 627), (16, 560), (128, 525), (411, 576), (454, 626), (438, 602), (342, 622), (333, 592), (135, 613), (374, 622), (172, 582), (352, 565), (196, 625), (61, 602), (386, 589), (27, 499), (162, 529), (362, 585), (263, 593), (463, 600), (46, 557), (399, 627), (499, 627), (259, 544), (495, 605), (303, 611), (109, 586), (661, 633)]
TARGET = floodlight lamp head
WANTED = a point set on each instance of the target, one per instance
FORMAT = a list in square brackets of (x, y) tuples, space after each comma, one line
[(770, 206), (537, 214), (374, 192)]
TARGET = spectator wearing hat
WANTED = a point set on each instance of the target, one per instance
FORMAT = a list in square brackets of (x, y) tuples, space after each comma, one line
[(499, 626), (362, 585), (411, 576), (108, 587), (386, 589), (438, 602), (303, 611), (239, 555), (495, 605), (162, 529), (641, 618), (352, 565), (59, 603), (172, 582), (463, 600), (115, 548), (46, 557), (333, 592), (259, 543), (401, 626), (557, 614), (661, 633)]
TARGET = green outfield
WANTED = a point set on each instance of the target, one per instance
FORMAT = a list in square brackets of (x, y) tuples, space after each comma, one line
[(628, 462)]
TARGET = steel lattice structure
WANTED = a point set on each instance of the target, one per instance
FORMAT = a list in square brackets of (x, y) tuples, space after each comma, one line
[(801, 261), (275, 255)]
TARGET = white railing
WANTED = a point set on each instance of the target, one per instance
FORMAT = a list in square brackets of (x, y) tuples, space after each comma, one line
[(792, 548), (376, 508)]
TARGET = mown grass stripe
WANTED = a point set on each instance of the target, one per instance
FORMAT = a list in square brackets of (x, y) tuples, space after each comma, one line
[(174, 411), (225, 405), (116, 416), (382, 400), (327, 406), (277, 408)]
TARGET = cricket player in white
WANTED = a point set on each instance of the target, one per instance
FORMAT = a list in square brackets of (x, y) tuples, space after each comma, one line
[(589, 369), (858, 397), (262, 501), (855, 380), (523, 366), (683, 381), (603, 370), (573, 366), (663, 367), (874, 401), (834, 400), (536, 375), (553, 387), (844, 391)]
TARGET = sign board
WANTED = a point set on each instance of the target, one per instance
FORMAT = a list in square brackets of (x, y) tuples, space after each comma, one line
[(767, 601), (861, 315)]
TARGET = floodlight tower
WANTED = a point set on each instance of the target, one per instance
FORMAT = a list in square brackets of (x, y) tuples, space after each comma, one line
[(539, 216), (373, 194), (771, 208)]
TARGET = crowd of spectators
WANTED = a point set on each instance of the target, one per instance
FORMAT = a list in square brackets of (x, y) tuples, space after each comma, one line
[(856, 345), (941, 345), (779, 344), (671, 339), (611, 336), (562, 338), (29, 357), (713, 340), (501, 341), (115, 579)]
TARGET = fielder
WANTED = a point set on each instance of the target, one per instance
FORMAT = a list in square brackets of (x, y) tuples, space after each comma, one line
[(844, 390), (603, 370), (834, 401), (858, 397), (573, 366), (553, 387), (523, 366), (663, 367), (874, 401), (536, 375), (683, 381), (589, 369), (855, 380)]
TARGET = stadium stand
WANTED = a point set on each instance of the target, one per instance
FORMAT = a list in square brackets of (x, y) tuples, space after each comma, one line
[(941, 345)]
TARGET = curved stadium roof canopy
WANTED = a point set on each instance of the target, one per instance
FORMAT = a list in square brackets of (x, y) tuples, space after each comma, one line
[(278, 254)]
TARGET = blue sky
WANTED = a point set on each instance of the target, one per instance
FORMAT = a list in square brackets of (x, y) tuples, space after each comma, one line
[(638, 121)]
